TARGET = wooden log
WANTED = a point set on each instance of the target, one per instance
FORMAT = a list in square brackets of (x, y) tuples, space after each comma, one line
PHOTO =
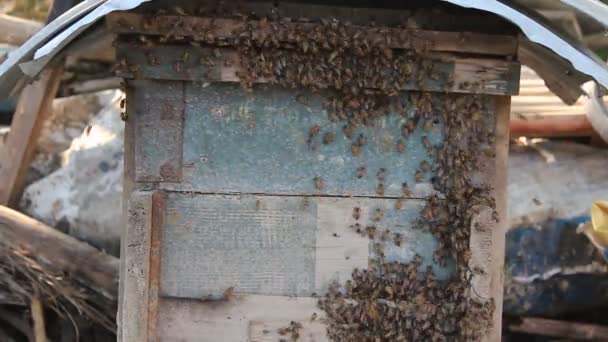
[(15, 31), (60, 252), (561, 329)]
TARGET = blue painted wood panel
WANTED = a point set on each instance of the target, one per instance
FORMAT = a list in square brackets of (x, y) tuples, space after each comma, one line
[(259, 142)]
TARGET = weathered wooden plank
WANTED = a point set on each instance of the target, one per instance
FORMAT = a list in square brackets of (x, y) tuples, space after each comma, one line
[(276, 245), (453, 74), (155, 263), (242, 318), (33, 108), (487, 241), (200, 28), (158, 120), (136, 268)]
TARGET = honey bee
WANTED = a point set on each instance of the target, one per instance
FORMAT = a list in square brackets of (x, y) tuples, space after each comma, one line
[(400, 146), (356, 213), (319, 183), (356, 150), (228, 293), (378, 215), (361, 172), (380, 189)]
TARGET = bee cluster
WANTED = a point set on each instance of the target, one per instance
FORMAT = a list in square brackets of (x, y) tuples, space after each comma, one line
[(394, 301), (389, 301)]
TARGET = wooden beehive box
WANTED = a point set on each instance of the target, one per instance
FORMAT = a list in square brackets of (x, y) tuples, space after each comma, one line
[(279, 187)]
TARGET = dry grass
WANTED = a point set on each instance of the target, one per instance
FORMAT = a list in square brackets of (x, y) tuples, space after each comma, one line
[(22, 277)]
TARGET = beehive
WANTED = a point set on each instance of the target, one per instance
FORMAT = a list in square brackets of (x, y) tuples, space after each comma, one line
[(308, 174)]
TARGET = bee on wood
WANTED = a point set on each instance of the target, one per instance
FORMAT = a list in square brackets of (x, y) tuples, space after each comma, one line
[(356, 150), (381, 174), (399, 204), (400, 146), (419, 176), (228, 293), (319, 183), (361, 172), (426, 142), (424, 166), (328, 138), (357, 213), (378, 215), (371, 231)]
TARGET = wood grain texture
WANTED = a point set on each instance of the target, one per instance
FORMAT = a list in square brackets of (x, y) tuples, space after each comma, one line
[(199, 28), (33, 108), (135, 280), (468, 74), (155, 262), (243, 318), (128, 187)]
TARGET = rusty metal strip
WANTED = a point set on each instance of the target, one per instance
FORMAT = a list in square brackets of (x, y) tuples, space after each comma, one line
[(154, 275)]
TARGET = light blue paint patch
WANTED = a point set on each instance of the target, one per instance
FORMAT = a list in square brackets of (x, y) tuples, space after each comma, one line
[(259, 143), (415, 241)]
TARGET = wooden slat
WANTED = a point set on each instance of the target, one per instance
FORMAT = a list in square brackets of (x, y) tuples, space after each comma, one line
[(154, 275), (242, 318), (135, 270), (454, 74), (33, 108), (559, 75), (200, 27), (488, 244), (561, 329)]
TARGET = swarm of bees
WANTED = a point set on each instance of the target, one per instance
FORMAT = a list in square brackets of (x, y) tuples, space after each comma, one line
[(389, 301)]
